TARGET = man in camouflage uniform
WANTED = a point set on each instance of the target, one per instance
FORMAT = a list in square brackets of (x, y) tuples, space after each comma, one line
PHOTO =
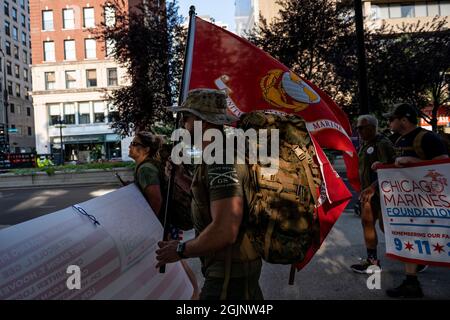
[(220, 194)]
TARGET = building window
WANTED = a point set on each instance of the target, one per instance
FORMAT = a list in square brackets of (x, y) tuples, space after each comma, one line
[(29, 131), (91, 78), (113, 113), (8, 47), (50, 80), (110, 17), (17, 71), (24, 38), (407, 10), (16, 52), (410, 10), (68, 19), (90, 48), (22, 4), (49, 51), (11, 108), (84, 114), (112, 76), (445, 8), (17, 90), (9, 68), (433, 8), (27, 93), (7, 28), (69, 50), (15, 34), (10, 88), (47, 20), (69, 113), (71, 79), (25, 56), (25, 74), (23, 20), (55, 113), (14, 14), (420, 9), (28, 111), (99, 112), (88, 18), (6, 8)]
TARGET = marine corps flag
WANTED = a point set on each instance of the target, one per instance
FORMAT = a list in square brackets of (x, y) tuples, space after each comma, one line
[(216, 58), (256, 81)]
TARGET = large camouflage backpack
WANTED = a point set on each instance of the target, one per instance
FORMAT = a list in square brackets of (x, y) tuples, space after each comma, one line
[(282, 223)]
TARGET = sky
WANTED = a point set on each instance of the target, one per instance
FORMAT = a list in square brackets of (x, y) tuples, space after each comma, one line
[(220, 10)]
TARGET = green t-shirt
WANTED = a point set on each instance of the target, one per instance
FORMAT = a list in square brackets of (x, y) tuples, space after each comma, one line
[(216, 182), (147, 174), (225, 181)]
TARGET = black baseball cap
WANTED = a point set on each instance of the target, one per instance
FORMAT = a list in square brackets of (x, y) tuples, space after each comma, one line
[(403, 110)]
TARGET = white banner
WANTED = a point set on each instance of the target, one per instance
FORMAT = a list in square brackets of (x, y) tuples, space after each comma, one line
[(39, 258), (415, 202)]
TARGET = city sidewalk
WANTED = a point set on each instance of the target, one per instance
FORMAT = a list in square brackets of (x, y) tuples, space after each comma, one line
[(328, 275)]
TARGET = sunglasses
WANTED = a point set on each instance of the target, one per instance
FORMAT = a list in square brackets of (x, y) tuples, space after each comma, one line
[(135, 144)]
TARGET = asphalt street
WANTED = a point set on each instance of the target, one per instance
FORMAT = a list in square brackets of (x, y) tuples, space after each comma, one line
[(18, 205)]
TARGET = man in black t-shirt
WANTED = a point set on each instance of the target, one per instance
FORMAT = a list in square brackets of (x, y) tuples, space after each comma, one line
[(414, 145)]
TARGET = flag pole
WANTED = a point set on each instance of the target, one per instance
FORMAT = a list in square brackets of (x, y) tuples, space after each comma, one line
[(184, 88)]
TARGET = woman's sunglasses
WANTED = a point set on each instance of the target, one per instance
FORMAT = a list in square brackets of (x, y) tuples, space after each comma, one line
[(135, 144)]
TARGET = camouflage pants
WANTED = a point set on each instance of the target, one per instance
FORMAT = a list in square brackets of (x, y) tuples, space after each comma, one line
[(237, 288)]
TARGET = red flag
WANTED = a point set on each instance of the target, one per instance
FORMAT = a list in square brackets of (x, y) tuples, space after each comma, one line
[(256, 81), (337, 198)]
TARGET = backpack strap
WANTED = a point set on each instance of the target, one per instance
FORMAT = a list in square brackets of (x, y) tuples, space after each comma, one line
[(305, 160), (417, 144), (292, 274), (268, 236)]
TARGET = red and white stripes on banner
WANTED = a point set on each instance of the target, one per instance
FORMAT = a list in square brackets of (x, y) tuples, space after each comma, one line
[(116, 259)]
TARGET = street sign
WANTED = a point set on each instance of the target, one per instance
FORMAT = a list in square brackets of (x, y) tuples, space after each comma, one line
[(12, 130)]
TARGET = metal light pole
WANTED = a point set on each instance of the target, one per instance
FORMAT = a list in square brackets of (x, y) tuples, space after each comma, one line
[(61, 122), (362, 67)]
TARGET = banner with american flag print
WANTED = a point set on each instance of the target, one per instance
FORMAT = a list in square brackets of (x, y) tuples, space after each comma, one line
[(116, 257)]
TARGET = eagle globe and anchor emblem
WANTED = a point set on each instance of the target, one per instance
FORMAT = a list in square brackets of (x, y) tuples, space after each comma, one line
[(284, 89), (437, 182)]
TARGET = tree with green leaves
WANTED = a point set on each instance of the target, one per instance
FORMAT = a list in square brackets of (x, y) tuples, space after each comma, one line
[(148, 40), (317, 40), (410, 63), (313, 38)]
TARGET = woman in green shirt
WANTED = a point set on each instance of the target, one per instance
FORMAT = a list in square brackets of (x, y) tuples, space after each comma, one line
[(143, 150)]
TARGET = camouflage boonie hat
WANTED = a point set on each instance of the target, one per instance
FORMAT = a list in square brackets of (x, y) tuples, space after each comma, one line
[(209, 105)]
